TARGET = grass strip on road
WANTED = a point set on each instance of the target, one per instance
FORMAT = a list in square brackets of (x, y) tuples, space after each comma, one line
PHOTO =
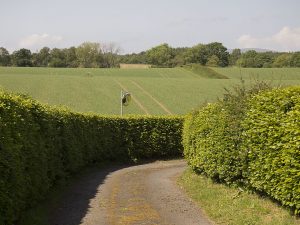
[(227, 205)]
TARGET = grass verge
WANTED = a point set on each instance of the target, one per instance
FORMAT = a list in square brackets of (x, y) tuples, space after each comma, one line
[(227, 205)]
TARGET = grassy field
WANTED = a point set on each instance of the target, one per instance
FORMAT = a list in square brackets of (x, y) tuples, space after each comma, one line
[(156, 91)]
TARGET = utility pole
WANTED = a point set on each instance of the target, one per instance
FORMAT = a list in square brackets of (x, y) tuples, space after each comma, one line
[(124, 100), (121, 100)]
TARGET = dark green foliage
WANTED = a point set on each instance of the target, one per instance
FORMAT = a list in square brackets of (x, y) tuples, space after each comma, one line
[(267, 59), (39, 146), (272, 141), (295, 60), (249, 139), (4, 57), (234, 56), (22, 58)]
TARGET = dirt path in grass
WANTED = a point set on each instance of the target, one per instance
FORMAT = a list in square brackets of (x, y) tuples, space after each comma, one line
[(154, 99), (134, 98), (137, 195)]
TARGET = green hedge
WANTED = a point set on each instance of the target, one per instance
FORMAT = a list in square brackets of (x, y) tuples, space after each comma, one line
[(211, 140), (253, 140), (39, 146), (272, 141)]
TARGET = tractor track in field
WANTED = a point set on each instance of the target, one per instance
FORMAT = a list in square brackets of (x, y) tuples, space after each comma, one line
[(154, 99), (137, 195), (143, 108)]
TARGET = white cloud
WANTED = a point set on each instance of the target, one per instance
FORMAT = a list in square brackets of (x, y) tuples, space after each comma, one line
[(287, 39), (37, 41)]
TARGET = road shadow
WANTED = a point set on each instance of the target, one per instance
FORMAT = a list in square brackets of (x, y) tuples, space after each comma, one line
[(73, 202)]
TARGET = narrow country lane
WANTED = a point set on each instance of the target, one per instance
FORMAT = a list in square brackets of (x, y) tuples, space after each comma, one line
[(139, 195)]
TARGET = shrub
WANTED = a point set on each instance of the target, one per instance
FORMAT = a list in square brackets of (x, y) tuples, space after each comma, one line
[(40, 145), (272, 141), (251, 140), (212, 136)]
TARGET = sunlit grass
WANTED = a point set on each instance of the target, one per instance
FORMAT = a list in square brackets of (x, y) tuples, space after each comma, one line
[(227, 205)]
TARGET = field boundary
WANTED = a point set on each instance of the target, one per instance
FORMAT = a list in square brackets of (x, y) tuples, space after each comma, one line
[(154, 99), (189, 72), (133, 98)]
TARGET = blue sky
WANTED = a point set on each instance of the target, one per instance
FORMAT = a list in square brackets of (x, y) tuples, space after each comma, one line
[(137, 25)]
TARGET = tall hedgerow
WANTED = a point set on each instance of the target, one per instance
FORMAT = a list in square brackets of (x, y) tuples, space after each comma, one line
[(212, 136), (39, 146), (250, 138), (272, 142)]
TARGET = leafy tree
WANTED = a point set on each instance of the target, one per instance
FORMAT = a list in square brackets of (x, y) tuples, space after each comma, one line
[(71, 57), (109, 55), (234, 56), (43, 57), (217, 49), (295, 60), (247, 59), (57, 58), (133, 58), (160, 55), (283, 60), (22, 57), (264, 59), (196, 54), (4, 57), (89, 54), (213, 61)]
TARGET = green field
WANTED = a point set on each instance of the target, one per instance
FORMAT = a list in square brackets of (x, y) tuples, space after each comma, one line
[(155, 91)]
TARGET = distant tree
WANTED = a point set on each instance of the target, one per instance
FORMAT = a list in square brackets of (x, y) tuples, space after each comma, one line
[(217, 49), (282, 60), (263, 59), (43, 57), (4, 57), (57, 58), (247, 59), (213, 61), (160, 55), (234, 56), (110, 52), (22, 57), (71, 57), (89, 54), (34, 59), (196, 54), (295, 60), (133, 58)]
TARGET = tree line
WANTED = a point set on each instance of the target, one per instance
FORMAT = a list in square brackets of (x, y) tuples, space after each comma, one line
[(88, 54), (96, 55)]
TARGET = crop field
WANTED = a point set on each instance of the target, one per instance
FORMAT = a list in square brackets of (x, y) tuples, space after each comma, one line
[(156, 91)]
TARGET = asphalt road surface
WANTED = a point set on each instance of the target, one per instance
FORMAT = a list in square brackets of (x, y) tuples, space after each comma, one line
[(137, 195)]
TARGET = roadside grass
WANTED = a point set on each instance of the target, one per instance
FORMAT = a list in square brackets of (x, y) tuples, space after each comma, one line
[(232, 206)]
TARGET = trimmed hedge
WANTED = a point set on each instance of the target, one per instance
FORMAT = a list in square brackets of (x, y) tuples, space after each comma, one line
[(40, 145), (250, 140), (272, 141), (210, 144)]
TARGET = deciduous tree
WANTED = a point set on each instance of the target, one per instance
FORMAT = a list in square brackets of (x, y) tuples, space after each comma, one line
[(4, 57)]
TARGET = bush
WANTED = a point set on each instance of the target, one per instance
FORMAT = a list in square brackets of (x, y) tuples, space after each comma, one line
[(272, 141), (212, 136), (39, 146), (250, 140)]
